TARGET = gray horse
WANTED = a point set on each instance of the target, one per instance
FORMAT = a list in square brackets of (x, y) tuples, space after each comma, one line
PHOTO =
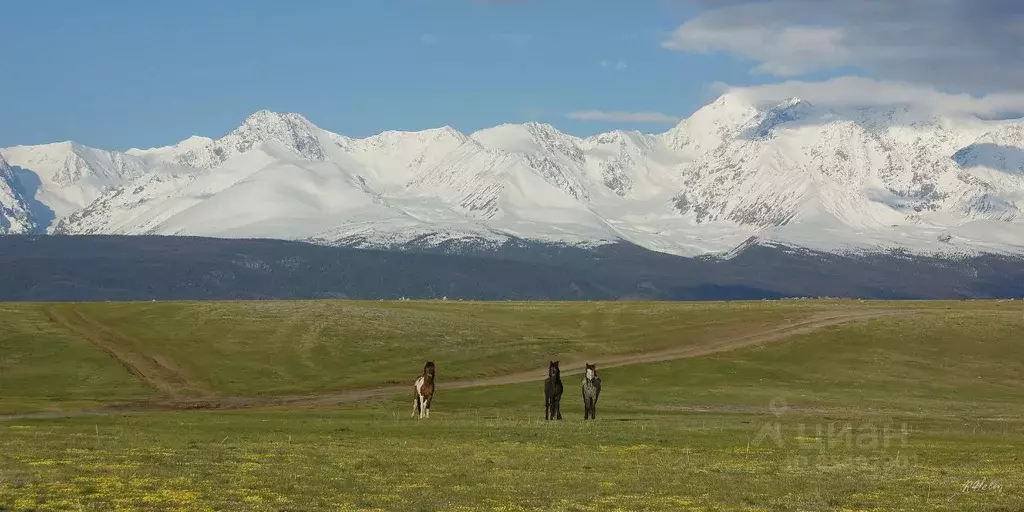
[(591, 390)]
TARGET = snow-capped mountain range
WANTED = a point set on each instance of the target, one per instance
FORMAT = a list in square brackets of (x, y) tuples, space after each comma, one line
[(789, 174)]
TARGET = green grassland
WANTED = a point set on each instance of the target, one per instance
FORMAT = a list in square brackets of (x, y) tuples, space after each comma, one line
[(922, 410), (285, 347)]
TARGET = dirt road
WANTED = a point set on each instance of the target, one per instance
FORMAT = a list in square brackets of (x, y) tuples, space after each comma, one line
[(173, 402)]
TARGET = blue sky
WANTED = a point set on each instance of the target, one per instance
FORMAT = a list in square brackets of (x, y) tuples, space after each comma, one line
[(119, 73)]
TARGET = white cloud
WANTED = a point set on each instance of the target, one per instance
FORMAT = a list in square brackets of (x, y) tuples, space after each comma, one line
[(957, 45), (782, 51), (619, 116), (617, 65), (852, 91)]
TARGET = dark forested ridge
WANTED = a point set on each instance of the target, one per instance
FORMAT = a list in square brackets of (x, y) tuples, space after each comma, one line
[(89, 268)]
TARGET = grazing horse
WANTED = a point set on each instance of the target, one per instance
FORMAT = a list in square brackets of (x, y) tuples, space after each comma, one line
[(591, 390), (423, 392), (553, 393)]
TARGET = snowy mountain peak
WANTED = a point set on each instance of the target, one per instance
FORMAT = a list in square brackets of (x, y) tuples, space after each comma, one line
[(446, 131), (50, 151), (729, 102), (792, 110), (542, 129), (290, 130), (621, 137), (193, 142), (792, 101), (532, 138), (709, 126), (397, 137), (67, 163), (287, 128), (268, 121), (786, 172), (1008, 135), (999, 154)]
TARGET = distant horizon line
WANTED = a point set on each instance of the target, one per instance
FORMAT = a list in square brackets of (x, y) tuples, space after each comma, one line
[(760, 105)]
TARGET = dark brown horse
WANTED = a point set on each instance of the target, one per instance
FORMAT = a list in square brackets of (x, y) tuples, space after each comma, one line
[(423, 391), (553, 393)]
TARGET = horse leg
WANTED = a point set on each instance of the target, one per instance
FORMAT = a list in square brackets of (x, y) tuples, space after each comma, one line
[(558, 408), (429, 399), (547, 408), (415, 405), (593, 409)]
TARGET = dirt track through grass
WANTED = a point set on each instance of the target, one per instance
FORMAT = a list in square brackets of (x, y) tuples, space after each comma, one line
[(152, 371), (162, 377)]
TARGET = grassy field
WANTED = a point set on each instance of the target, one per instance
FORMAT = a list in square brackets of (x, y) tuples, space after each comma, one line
[(918, 411), (273, 348)]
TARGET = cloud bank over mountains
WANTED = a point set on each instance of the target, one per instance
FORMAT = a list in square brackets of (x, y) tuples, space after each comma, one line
[(957, 56), (855, 92), (957, 45)]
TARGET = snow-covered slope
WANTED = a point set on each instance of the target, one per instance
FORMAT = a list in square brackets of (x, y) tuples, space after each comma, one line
[(66, 176), (852, 180), (792, 173), (15, 216)]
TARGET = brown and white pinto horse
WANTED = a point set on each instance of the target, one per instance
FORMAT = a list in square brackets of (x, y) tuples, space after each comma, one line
[(423, 391)]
